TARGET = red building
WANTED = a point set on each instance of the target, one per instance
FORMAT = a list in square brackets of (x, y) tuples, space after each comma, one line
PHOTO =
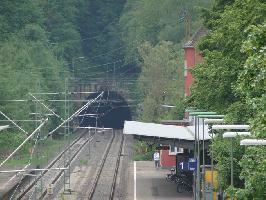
[(192, 57), (168, 157)]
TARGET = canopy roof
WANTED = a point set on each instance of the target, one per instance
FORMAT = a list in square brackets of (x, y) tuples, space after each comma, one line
[(164, 131)]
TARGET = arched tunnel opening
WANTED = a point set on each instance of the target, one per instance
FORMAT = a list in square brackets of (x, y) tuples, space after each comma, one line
[(108, 111)]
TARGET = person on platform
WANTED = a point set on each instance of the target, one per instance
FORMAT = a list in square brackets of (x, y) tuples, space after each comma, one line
[(156, 158)]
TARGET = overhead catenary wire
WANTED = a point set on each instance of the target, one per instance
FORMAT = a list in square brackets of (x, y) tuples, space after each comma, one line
[(95, 35), (58, 93), (20, 120), (32, 170), (19, 147), (49, 100), (96, 112), (25, 167), (14, 123), (103, 72), (46, 107), (73, 115), (90, 67)]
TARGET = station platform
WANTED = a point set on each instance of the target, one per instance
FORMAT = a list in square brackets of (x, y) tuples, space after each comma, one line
[(150, 183)]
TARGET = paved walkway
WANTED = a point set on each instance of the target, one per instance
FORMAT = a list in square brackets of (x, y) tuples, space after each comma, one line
[(151, 184)]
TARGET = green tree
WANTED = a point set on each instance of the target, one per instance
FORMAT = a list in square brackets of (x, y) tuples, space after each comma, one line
[(157, 20), (231, 80), (14, 15), (251, 85), (216, 77), (99, 31), (158, 81)]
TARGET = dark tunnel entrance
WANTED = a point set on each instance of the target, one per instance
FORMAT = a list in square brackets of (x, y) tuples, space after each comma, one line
[(108, 111)]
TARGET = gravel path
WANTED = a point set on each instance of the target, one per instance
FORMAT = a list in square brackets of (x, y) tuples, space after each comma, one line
[(105, 181), (122, 189), (83, 169)]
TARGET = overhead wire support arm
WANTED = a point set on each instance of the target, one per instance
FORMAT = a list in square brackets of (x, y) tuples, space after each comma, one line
[(73, 115), (14, 123), (46, 107), (19, 147)]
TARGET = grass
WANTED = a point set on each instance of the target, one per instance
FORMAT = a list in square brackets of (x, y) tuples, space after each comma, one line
[(43, 152), (83, 162)]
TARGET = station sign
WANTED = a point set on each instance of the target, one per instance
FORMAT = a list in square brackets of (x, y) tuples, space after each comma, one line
[(191, 165)]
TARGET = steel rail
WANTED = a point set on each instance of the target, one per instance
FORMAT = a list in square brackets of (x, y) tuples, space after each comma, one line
[(116, 169), (50, 166), (100, 169), (71, 159)]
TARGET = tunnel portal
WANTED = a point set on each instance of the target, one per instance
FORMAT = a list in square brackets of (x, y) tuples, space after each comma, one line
[(108, 111)]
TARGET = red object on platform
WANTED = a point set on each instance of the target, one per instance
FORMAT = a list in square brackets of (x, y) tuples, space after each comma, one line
[(166, 159)]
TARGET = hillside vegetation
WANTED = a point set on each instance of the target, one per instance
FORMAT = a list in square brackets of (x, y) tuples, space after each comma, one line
[(232, 81)]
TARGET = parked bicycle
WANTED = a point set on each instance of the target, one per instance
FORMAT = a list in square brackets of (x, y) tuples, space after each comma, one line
[(184, 182), (172, 177)]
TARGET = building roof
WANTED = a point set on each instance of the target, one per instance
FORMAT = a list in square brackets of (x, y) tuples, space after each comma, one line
[(164, 131), (196, 37)]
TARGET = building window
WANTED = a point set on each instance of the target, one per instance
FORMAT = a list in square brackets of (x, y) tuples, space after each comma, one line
[(175, 150)]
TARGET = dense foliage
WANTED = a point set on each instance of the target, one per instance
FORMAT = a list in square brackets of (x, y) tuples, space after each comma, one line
[(29, 63), (232, 81), (158, 80), (45, 42), (154, 31)]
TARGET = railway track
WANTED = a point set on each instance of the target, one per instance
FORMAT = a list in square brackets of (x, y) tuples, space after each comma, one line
[(51, 176), (104, 182)]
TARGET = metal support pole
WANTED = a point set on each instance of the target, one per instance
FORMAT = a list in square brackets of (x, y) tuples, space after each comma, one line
[(37, 142), (89, 144), (232, 169), (65, 132), (73, 66), (68, 152), (114, 75), (212, 164), (198, 161), (195, 157), (68, 141), (107, 75), (203, 161)]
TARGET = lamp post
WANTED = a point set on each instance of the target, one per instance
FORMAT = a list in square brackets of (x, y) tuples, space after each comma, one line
[(253, 142), (231, 127), (197, 146), (203, 146), (191, 110), (212, 121), (73, 63), (232, 135)]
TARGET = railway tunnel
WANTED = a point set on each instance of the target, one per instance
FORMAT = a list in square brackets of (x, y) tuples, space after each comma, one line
[(108, 111)]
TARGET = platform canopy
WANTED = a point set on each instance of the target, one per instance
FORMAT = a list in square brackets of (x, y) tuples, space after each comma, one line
[(164, 131)]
